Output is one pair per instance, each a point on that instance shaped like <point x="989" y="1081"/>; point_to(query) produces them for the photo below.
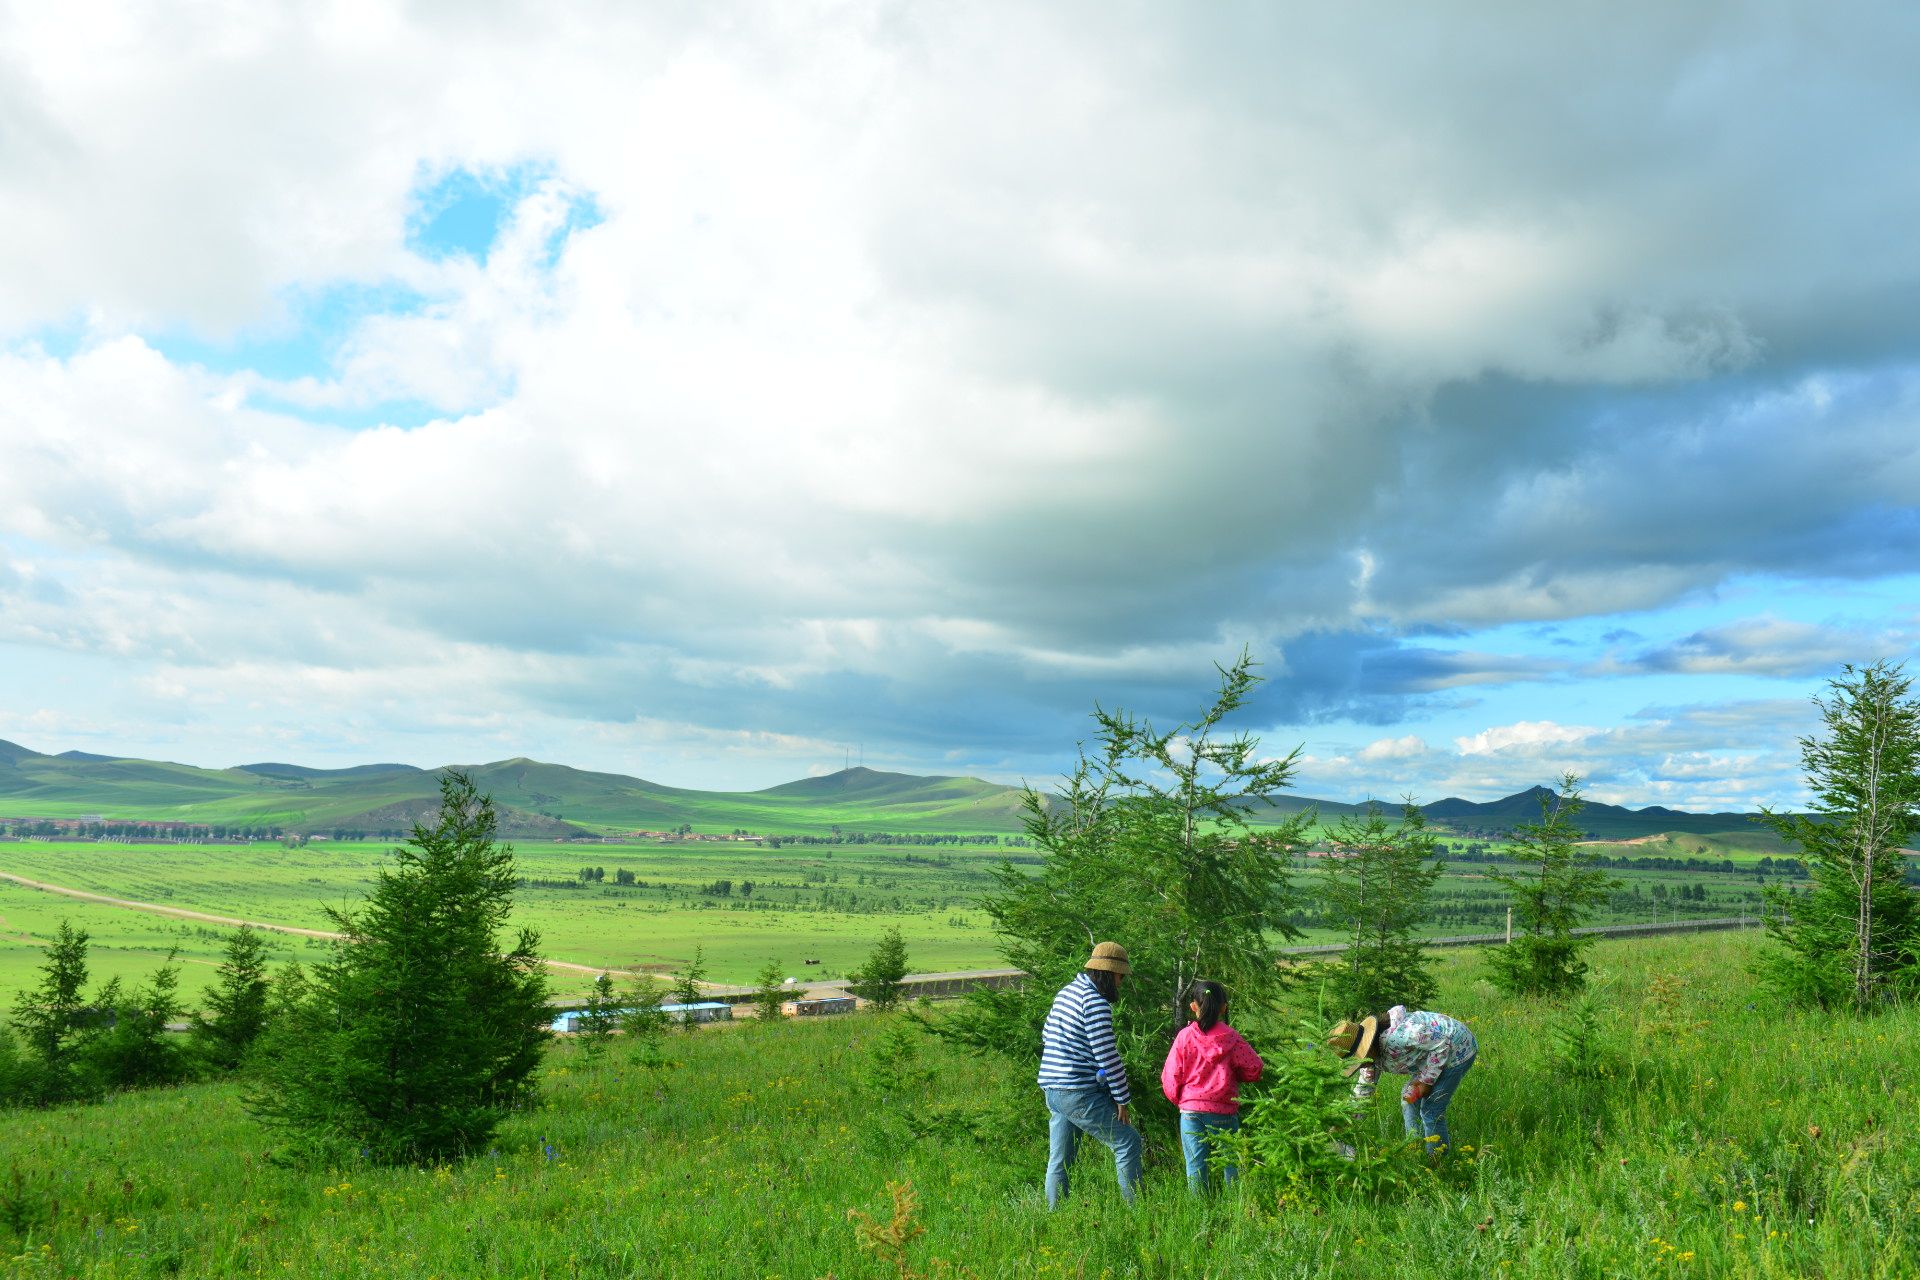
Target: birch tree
<point x="1851" y="938"/>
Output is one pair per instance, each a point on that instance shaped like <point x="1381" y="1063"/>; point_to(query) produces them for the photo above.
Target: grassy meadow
<point x="809" y="902"/>
<point x="1732" y="1139"/>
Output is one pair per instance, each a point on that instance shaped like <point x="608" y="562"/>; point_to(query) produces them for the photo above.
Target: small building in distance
<point x="569" y="1021"/>
<point x="704" y="1011"/>
<point x="820" y="1007"/>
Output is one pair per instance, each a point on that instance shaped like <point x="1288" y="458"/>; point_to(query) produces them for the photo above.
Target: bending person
<point x="1082" y="1077"/>
<point x="1433" y="1049"/>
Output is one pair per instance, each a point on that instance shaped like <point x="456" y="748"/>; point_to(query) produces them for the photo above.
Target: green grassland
<point x="821" y="902"/>
<point x="534" y="798"/>
<point x="824" y="903"/>
<point x="1735" y="1139"/>
<point x="549" y="800"/>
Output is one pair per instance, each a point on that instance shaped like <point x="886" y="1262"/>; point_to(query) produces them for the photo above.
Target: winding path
<point x="182" y="913"/>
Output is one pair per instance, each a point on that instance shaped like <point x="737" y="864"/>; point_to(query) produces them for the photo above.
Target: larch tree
<point x="1853" y="937"/>
<point x="1166" y="841"/>
<point x="1555" y="889"/>
<point x="420" y="1031"/>
<point x="1374" y="886"/>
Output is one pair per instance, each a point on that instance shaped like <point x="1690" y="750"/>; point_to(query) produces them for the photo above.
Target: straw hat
<point x="1354" y="1040"/>
<point x="1110" y="956"/>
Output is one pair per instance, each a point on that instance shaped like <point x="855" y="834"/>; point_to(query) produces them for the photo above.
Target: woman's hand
<point x="1126" y="1116"/>
<point x="1416" y="1091"/>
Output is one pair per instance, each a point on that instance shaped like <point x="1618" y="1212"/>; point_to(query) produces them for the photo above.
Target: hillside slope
<point x="540" y="798"/>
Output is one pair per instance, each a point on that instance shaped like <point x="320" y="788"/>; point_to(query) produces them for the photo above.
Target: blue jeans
<point x="1427" y="1118"/>
<point x="1072" y="1112"/>
<point x="1196" y="1128"/>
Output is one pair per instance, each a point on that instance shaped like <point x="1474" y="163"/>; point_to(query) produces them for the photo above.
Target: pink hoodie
<point x="1205" y="1069"/>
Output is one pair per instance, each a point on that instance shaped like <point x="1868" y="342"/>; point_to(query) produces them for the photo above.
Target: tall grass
<point x="1703" y="1134"/>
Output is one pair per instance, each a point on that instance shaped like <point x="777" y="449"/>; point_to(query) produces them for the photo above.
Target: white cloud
<point x="1408" y="747"/>
<point x="1527" y="737"/>
<point x="1036" y="346"/>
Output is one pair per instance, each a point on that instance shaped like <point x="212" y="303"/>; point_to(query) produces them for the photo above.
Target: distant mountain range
<point x="551" y="800"/>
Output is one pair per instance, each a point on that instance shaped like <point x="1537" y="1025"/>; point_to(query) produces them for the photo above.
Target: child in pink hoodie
<point x="1204" y="1071"/>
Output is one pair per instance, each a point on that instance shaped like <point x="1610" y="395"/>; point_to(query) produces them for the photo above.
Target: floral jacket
<point x="1421" y="1045"/>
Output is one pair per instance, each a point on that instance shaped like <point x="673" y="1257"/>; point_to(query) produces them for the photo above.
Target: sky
<point x="721" y="393"/>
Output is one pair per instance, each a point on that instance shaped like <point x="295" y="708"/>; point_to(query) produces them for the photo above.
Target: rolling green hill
<point x="552" y="800"/>
<point x="1603" y="820"/>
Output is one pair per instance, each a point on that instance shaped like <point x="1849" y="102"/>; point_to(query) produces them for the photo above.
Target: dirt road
<point x="182" y="913"/>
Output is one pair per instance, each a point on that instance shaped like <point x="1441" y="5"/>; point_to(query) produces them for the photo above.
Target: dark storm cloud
<point x="931" y="377"/>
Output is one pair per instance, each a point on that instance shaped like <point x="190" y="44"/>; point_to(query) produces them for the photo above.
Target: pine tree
<point x="1851" y="939"/>
<point x="417" y="1034"/>
<point x="1375" y="888"/>
<point x="1150" y="843"/>
<point x="878" y="980"/>
<point x="599" y="1017"/>
<point x="52" y="1018"/>
<point x="137" y="1051"/>
<point x="237" y="1003"/>
<point x="769" y="993"/>
<point x="687" y="984"/>
<point x="645" y="1027"/>
<point x="1552" y="897"/>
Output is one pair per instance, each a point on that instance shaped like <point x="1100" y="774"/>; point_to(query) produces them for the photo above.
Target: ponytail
<point x="1212" y="999"/>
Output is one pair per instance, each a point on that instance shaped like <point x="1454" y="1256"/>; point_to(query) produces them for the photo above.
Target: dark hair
<point x="1106" y="982"/>
<point x="1212" y="999"/>
<point x="1385" y="1020"/>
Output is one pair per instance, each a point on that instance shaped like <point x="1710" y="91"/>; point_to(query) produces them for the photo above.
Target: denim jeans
<point x="1072" y="1112"/>
<point x="1427" y="1118"/>
<point x="1196" y="1128"/>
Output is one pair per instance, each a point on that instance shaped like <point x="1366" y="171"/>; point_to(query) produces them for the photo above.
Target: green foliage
<point x="769" y="993"/>
<point x="1299" y="1139"/>
<point x="17" y="1076"/>
<point x="1853" y="939"/>
<point x="136" y="1051"/>
<point x="1149" y="845"/>
<point x="417" y="1035"/>
<point x="878" y="980"/>
<point x="1553" y="896"/>
<point x="645" y="1027"/>
<point x="686" y="985"/>
<point x="1721" y="1161"/>
<point x="52" y="1019"/>
<point x="1582" y="1039"/>
<point x="600" y="1017"/>
<point x="1375" y="889"/>
<point x="893" y="1068"/>
<point x="236" y="1007"/>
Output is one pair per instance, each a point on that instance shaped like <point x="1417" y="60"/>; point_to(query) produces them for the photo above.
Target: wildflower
<point x="1739" y="1206"/>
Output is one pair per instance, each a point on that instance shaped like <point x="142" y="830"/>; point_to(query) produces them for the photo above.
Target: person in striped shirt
<point x="1081" y="1075"/>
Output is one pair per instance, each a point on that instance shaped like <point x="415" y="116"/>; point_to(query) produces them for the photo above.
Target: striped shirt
<point x="1076" y="1044"/>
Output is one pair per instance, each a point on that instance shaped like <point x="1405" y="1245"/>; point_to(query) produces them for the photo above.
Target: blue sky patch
<point x="462" y="212"/>
<point x="305" y="341"/>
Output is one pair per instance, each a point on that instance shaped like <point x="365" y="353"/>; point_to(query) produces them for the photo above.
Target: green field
<point x="541" y="800"/>
<point x="534" y="798"/>
<point x="1739" y="1140"/>
<point x="810" y="902"/>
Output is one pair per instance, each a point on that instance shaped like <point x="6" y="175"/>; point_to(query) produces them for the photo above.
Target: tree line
<point x="1148" y="844"/>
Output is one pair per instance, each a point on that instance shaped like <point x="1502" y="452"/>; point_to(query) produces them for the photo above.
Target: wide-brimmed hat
<point x="1110" y="956"/>
<point x="1354" y="1040"/>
